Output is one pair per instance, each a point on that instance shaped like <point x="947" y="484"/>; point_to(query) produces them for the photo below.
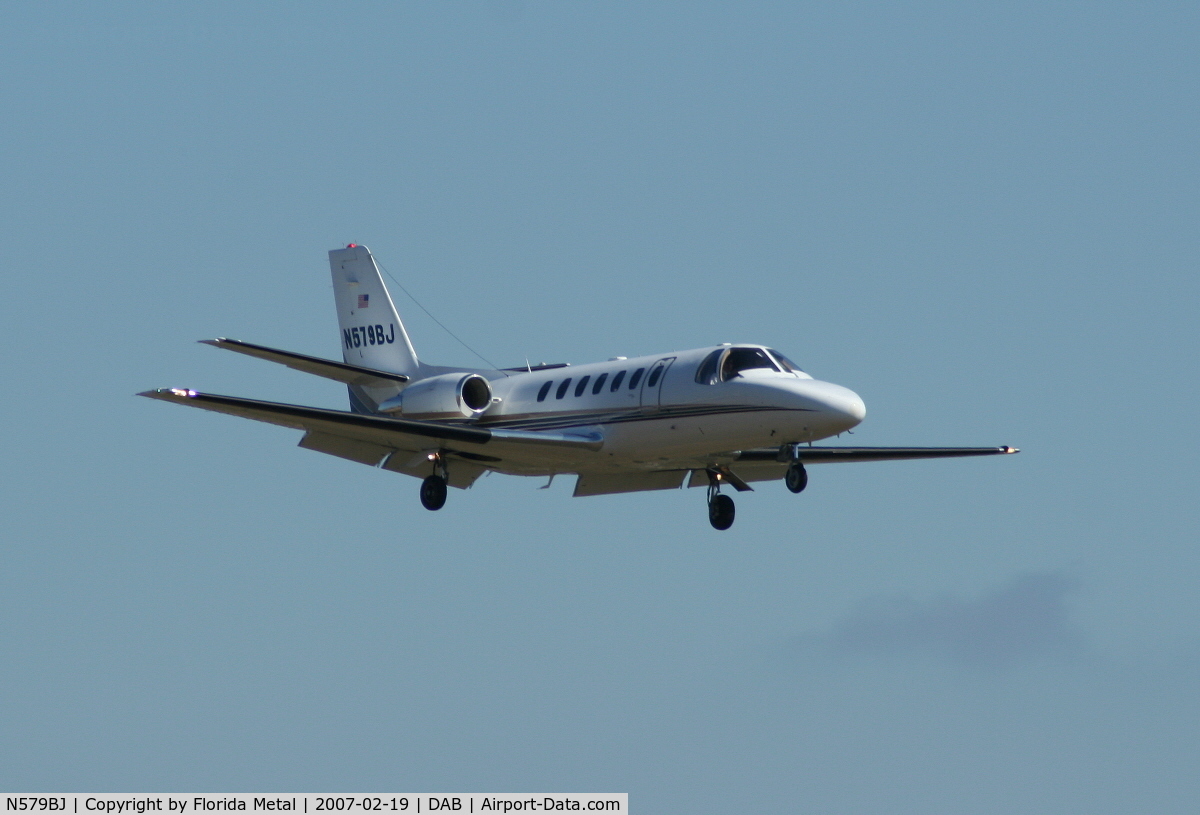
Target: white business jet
<point x="709" y="417"/>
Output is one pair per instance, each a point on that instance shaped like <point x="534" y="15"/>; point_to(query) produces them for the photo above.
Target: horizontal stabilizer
<point x="337" y="371"/>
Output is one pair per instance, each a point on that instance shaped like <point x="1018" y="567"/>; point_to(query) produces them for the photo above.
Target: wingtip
<point x="217" y="341"/>
<point x="167" y="393"/>
<point x="1009" y="450"/>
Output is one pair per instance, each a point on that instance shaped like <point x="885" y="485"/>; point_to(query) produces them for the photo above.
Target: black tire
<point x="720" y="512"/>
<point x="433" y="492"/>
<point x="796" y="478"/>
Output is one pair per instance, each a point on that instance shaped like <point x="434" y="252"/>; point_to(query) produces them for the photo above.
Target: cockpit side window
<point x="706" y="374"/>
<point x="745" y="359"/>
<point x="785" y="363"/>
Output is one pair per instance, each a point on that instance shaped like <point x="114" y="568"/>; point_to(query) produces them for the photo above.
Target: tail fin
<point x="372" y="334"/>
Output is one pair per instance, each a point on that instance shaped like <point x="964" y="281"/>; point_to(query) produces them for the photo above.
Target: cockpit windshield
<point x="785" y="363"/>
<point x="745" y="359"/>
<point x="726" y="363"/>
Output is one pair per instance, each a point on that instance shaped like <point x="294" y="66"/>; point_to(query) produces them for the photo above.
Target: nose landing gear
<point x="796" y="477"/>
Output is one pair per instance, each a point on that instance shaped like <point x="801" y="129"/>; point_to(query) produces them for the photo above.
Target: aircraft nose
<point x="841" y="406"/>
<point x="853" y="407"/>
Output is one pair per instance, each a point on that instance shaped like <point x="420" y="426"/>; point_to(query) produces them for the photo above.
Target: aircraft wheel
<point x="796" y="477"/>
<point x="720" y="512"/>
<point x="433" y="492"/>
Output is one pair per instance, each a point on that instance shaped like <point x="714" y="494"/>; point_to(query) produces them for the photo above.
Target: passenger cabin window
<point x="545" y="390"/>
<point x="562" y="389"/>
<point x="636" y="378"/>
<point x="582" y="386"/>
<point x="654" y="375"/>
<point x="617" y="381"/>
<point x="745" y="359"/>
<point x="599" y="386"/>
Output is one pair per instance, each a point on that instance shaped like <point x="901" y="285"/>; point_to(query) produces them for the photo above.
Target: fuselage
<point x="677" y="406"/>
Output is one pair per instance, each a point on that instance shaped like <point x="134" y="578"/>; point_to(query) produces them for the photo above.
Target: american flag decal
<point x="362" y="300"/>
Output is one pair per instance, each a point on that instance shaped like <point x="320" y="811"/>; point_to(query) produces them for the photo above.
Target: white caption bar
<point x="293" y="802"/>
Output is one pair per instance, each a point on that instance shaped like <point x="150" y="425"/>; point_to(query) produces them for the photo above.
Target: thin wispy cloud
<point x="1026" y="619"/>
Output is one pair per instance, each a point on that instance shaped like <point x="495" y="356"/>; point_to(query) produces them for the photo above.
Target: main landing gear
<point x="720" y="507"/>
<point x="433" y="488"/>
<point x="433" y="492"/>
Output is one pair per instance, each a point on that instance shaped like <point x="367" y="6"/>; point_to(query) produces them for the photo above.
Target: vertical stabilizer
<point x="371" y="332"/>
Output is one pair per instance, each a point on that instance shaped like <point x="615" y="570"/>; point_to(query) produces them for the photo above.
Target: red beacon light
<point x="352" y="246"/>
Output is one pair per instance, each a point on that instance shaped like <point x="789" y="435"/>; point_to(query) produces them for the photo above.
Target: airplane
<point x="728" y="414"/>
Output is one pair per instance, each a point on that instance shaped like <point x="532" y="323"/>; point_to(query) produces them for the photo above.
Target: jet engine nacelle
<point x="449" y="396"/>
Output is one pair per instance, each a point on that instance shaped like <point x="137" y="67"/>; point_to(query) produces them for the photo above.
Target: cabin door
<point x="652" y="384"/>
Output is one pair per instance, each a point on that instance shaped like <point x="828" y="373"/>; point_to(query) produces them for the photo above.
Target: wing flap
<point x="461" y="473"/>
<point x="702" y="478"/>
<point x="364" y="452"/>
<point x="609" y="483"/>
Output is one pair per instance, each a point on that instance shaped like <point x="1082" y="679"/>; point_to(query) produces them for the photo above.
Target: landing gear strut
<point x="796" y="477"/>
<point x="720" y="507"/>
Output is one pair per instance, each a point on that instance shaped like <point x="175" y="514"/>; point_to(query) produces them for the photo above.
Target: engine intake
<point x="449" y="396"/>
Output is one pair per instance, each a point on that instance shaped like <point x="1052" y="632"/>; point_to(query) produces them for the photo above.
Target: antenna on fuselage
<point x="429" y="313"/>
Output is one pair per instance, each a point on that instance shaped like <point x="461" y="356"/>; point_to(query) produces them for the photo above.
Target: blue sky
<point x="982" y="219"/>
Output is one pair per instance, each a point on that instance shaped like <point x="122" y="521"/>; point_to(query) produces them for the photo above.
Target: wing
<point x="400" y="444"/>
<point x="821" y="455"/>
<point x="337" y="371"/>
<point x="766" y="464"/>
